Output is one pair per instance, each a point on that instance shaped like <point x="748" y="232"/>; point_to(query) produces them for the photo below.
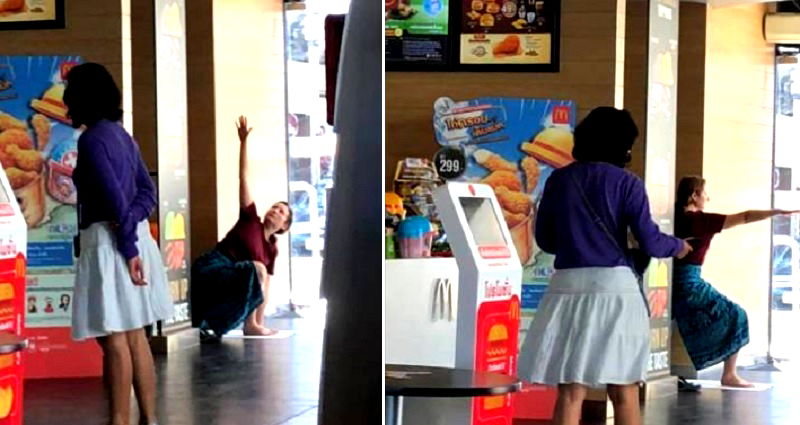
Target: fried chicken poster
<point x="512" y="145"/>
<point x="512" y="32"/>
<point x="38" y="151"/>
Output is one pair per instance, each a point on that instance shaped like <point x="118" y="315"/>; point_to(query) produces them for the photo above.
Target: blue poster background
<point x="512" y="135"/>
<point x="38" y="148"/>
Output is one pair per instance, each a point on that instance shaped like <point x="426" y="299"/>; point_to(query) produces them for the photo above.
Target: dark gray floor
<point x="254" y="381"/>
<point x="778" y="406"/>
<point x="276" y="382"/>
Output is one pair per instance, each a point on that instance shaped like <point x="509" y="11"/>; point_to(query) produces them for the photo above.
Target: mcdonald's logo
<point x="561" y="115"/>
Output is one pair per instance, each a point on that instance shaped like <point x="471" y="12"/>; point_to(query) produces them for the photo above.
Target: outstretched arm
<point x="245" y="199"/>
<point x="751" y="216"/>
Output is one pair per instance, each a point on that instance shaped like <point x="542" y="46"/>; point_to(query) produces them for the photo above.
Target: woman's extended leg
<point x="729" y="376"/>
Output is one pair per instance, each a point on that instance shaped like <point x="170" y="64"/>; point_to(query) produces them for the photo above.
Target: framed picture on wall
<point x="31" y="14"/>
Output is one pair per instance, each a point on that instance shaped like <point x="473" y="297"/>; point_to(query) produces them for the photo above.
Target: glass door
<point x="311" y="141"/>
<point x="785" y="288"/>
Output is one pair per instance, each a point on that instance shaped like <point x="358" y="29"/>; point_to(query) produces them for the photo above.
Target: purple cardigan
<point x="113" y="183"/>
<point x="565" y="227"/>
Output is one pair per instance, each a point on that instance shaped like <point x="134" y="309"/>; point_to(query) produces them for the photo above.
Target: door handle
<point x="437" y="299"/>
<point x="448" y="289"/>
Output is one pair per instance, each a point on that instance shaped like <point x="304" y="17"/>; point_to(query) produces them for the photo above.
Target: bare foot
<point x="735" y="381"/>
<point x="259" y="331"/>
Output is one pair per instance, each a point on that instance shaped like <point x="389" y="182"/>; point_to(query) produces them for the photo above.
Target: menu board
<point x="417" y="32"/>
<point x="472" y="35"/>
<point x="509" y="32"/>
<point x="31" y="14"/>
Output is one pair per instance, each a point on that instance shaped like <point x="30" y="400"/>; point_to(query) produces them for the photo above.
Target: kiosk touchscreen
<point x="490" y="277"/>
<point x="13" y="243"/>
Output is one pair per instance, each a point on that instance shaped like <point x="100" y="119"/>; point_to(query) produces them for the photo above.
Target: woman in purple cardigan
<point x="120" y="284"/>
<point x="592" y="326"/>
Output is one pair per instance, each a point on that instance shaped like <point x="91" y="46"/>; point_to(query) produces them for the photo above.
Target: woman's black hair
<point x="288" y="219"/>
<point x="605" y="135"/>
<point x="92" y="95"/>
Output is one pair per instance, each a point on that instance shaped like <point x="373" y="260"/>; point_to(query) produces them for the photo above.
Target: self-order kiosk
<point x="13" y="244"/>
<point x="490" y="277"/>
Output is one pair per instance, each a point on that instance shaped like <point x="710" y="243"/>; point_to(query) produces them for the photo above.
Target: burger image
<point x="552" y="146"/>
<point x="498" y="341"/>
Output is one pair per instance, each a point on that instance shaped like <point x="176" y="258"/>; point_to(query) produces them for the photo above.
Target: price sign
<point x="450" y="163"/>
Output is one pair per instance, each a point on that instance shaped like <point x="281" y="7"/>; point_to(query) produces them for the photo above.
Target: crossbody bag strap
<point x="611" y="237"/>
<point x="598" y="220"/>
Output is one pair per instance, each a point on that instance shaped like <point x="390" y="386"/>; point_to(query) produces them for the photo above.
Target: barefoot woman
<point x="230" y="283"/>
<point x="713" y="327"/>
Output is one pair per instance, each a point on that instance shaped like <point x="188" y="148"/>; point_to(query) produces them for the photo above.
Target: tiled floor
<point x="258" y="382"/>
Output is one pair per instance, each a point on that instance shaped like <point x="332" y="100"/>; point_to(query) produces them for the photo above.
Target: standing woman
<point x="713" y="327"/>
<point x="120" y="285"/>
<point x="592" y="327"/>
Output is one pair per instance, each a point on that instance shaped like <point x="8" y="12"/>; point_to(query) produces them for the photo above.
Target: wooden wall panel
<point x="691" y="89"/>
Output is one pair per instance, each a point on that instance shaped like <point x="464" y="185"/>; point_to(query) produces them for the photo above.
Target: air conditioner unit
<point x="782" y="28"/>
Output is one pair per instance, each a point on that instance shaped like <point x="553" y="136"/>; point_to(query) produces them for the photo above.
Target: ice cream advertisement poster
<point x="513" y="145"/>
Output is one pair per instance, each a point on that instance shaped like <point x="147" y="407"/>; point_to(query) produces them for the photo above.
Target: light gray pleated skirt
<point x="105" y="299"/>
<point x="591" y="328"/>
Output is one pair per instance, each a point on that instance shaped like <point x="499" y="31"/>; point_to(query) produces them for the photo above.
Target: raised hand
<point x="242" y="129"/>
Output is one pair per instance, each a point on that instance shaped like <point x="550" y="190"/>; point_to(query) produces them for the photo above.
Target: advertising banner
<point x="173" y="183"/>
<point x="512" y="145"/>
<point x="660" y="168"/>
<point x="39" y="150"/>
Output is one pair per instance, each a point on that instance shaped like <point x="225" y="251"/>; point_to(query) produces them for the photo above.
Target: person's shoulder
<point x="628" y="178"/>
<point x="102" y="131"/>
<point x="249" y="212"/>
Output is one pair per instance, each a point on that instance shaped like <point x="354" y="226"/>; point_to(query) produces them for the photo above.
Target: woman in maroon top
<point x="230" y="283"/>
<point x="713" y="327"/>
